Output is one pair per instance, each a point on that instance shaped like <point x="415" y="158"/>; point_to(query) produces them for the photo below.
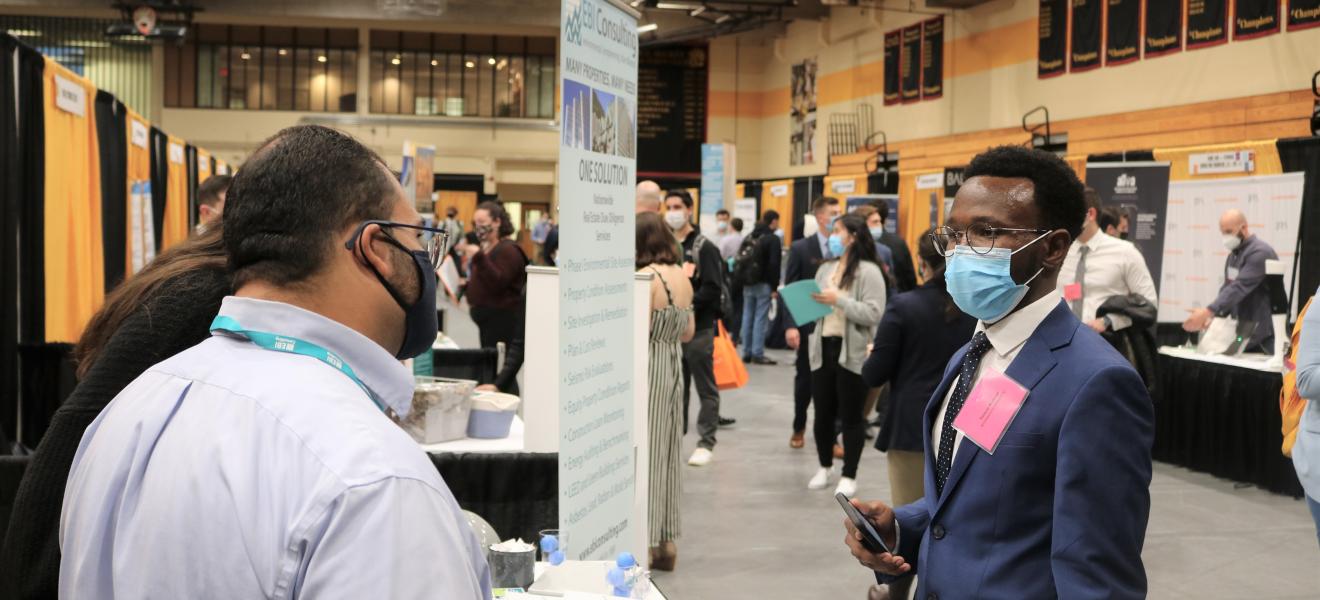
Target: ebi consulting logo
<point x="578" y="16"/>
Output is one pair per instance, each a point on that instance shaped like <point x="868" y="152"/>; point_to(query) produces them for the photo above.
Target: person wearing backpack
<point x="757" y="268"/>
<point x="703" y="266"/>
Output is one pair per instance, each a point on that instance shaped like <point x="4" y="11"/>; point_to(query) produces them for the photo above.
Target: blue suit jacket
<point x="1060" y="509"/>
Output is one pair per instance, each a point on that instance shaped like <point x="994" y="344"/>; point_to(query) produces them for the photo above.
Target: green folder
<point x="797" y="297"/>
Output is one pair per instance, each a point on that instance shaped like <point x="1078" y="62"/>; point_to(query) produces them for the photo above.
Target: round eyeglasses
<point x="980" y="237"/>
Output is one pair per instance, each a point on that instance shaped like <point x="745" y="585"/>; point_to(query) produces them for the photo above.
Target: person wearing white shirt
<point x="732" y="242"/>
<point x="264" y="461"/>
<point x="1099" y="267"/>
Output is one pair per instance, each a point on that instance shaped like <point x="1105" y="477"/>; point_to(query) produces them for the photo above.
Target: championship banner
<point x="1255" y="18"/>
<point x="1087" y="18"/>
<point x="1207" y="23"/>
<point x="932" y="58"/>
<point x="1122" y="32"/>
<point x="1140" y="190"/>
<point x="1303" y="14"/>
<point x="597" y="174"/>
<point x="893" y="52"/>
<point x="1053" y="45"/>
<point x="910" y="72"/>
<point x="1164" y="27"/>
<point x="1194" y="254"/>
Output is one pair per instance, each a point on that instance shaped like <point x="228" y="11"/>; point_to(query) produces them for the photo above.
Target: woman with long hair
<point x="155" y="314"/>
<point x="920" y="332"/>
<point x="672" y="323"/>
<point x="497" y="279"/>
<point x="854" y="286"/>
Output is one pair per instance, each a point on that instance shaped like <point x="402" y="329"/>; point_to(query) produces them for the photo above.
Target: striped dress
<point x="665" y="383"/>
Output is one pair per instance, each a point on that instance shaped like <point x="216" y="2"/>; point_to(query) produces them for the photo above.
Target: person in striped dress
<point x="672" y="323"/>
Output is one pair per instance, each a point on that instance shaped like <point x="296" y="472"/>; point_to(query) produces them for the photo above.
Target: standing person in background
<point x="1306" y="450"/>
<point x="211" y="201"/>
<point x="672" y="323"/>
<point x="721" y="224"/>
<point x="452" y="225"/>
<point x="1108" y="221"/>
<point x="905" y="275"/>
<point x="855" y="287"/>
<point x="1101" y="267"/>
<point x="885" y="256"/>
<point x="703" y="266"/>
<point x="539" y="232"/>
<point x="1244" y="295"/>
<point x="804" y="257"/>
<point x="757" y="269"/>
<point x="497" y="278"/>
<point x="159" y="312"/>
<point x="550" y="251"/>
<point x="729" y="244"/>
<point x="262" y="462"/>
<point x="920" y="332"/>
<point x="649" y="198"/>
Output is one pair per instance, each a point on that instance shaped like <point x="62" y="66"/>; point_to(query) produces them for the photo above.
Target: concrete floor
<point x="752" y="529"/>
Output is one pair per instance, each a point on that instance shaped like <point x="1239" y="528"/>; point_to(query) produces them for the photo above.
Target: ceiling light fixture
<point x="24" y="33"/>
<point x="321" y="58"/>
<point x="470" y="64"/>
<point x="647" y="27"/>
<point x="676" y="5"/>
<point x="435" y="63"/>
<point x="245" y="56"/>
<point x="723" y="19"/>
<point x="396" y="60"/>
<point x="698" y="10"/>
<point x="284" y="52"/>
<point x="490" y="60"/>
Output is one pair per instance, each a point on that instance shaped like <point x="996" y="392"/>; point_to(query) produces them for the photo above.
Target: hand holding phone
<point x="865" y="540"/>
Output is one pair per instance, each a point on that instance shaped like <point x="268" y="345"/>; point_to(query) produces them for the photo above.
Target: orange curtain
<point x="74" y="271"/>
<point x="842" y="186"/>
<point x="203" y="165"/>
<point x="914" y="206"/>
<point x="175" y="228"/>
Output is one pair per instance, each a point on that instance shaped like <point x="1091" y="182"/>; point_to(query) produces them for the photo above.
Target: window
<point x="418" y="73"/>
<point x="118" y="65"/>
<point x="263" y="68"/>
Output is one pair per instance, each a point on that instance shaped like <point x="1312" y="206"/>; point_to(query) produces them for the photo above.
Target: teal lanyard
<point x="292" y="345"/>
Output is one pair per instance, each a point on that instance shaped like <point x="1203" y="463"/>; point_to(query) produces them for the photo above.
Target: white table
<point x="596" y="590"/>
<point x="513" y="443"/>
<point x="1259" y="362"/>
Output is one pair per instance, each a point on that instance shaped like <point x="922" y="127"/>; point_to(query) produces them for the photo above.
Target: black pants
<point x="839" y="393"/>
<point x="802" y="380"/>
<point x="498" y="325"/>
<point x="699" y="365"/>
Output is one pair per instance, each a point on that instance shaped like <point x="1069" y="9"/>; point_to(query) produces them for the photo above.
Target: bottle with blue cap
<point x="626" y="577"/>
<point x="551" y="550"/>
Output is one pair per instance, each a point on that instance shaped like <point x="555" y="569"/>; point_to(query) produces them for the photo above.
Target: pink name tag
<point x="1072" y="291"/>
<point x="990" y="409"/>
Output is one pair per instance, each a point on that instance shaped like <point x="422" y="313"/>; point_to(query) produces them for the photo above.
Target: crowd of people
<point x="188" y="458"/>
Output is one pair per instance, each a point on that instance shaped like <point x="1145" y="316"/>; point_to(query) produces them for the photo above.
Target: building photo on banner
<point x="802" y="111"/>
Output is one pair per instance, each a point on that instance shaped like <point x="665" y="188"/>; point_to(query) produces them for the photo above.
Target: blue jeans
<point x="756" y="310"/>
<point x="1315" y="514"/>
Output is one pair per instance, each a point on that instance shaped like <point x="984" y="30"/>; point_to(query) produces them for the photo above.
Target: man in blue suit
<point x="1059" y="509"/>
<point x="804" y="257"/>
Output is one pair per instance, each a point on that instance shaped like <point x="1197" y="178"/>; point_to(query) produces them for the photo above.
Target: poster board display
<point x="1193" y="266"/>
<point x="1139" y="190"/>
<point x="595" y="375"/>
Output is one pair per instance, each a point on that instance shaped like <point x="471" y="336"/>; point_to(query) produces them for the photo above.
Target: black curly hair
<point x="1057" y="191"/>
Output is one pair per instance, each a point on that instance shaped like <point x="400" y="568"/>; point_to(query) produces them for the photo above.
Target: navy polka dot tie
<point x="966" y="373"/>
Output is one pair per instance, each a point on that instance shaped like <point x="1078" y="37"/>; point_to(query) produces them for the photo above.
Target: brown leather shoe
<point x="664" y="557"/>
<point x="838" y="451"/>
<point x="878" y="592"/>
<point x="798" y="440"/>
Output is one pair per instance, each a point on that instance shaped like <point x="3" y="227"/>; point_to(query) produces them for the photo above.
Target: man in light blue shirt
<point x="1306" y="449"/>
<point x="262" y="463"/>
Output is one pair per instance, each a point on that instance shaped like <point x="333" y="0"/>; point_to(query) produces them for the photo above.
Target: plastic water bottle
<point x="627" y="578"/>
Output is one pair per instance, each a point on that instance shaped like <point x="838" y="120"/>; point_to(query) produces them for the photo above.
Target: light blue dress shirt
<point x="229" y="471"/>
<point x="1306" y="450"/>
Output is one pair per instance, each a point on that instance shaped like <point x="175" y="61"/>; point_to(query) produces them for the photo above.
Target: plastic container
<point x="512" y="569"/>
<point x="492" y="416"/>
<point x="440" y="410"/>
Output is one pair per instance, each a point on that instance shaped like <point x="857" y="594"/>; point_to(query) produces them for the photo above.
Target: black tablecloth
<point x="517" y="493"/>
<point x="1222" y="420"/>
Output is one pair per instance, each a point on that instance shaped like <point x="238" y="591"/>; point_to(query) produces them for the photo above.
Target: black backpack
<point x="747" y="267"/>
<point x="725" y="307"/>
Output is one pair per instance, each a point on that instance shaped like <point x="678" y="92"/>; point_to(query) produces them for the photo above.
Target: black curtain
<point x="882" y="182"/>
<point x="31" y="217"/>
<point x="9" y="206"/>
<point x="160" y="162"/>
<point x="190" y="157"/>
<point x="805" y="190"/>
<point x="752" y="189"/>
<point x="1125" y="156"/>
<point x="1303" y="154"/>
<point x="111" y="138"/>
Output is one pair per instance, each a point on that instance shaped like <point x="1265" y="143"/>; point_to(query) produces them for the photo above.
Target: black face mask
<point x="1122" y="235"/>
<point x="420" y="323"/>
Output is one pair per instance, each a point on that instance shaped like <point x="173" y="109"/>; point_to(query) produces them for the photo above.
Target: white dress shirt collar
<point x="1099" y="239"/>
<point x="385" y="376"/>
<point x="1009" y="333"/>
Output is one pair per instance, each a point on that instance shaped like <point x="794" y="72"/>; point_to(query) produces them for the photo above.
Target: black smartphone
<point x="870" y="538"/>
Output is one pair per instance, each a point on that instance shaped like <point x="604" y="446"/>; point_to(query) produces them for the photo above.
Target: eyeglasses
<point x="436" y="245"/>
<point x="980" y="237"/>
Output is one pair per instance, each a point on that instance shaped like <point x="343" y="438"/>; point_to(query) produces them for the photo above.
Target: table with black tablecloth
<point x="516" y="492"/>
<point x="1222" y="418"/>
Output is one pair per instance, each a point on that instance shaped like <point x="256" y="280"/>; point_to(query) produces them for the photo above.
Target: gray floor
<point x="753" y="530"/>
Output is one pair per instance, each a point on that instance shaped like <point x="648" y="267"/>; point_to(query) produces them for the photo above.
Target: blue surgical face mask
<point x="876" y="232"/>
<point x="836" y="245"/>
<point x="982" y="284"/>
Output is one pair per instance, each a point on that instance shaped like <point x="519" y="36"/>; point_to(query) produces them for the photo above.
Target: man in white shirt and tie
<point x="263" y="462"/>
<point x="1099" y="267"/>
